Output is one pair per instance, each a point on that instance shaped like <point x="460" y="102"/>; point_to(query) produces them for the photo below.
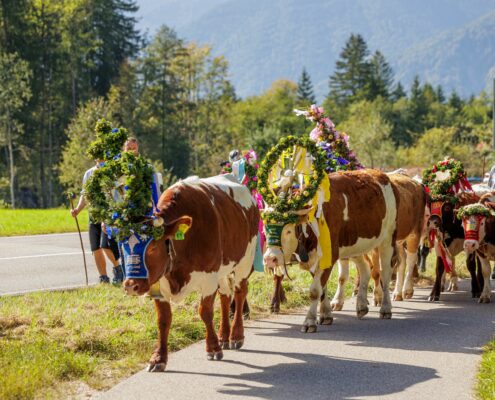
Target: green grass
<point x="485" y="381"/>
<point x="50" y="341"/>
<point x="34" y="222"/>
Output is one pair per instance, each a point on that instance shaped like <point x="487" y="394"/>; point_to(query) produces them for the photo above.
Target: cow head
<point x="474" y="232"/>
<point x="158" y="257"/>
<point x="441" y="216"/>
<point x="283" y="240"/>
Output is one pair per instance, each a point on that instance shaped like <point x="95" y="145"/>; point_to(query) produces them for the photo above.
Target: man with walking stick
<point x="101" y="244"/>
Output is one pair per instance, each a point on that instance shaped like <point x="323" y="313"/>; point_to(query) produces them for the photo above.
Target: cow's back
<point x="361" y="212"/>
<point x="411" y="202"/>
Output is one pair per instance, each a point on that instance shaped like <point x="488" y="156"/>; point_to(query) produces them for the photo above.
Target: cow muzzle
<point x="273" y="258"/>
<point x="136" y="287"/>
<point x="434" y="222"/>
<point x="470" y="246"/>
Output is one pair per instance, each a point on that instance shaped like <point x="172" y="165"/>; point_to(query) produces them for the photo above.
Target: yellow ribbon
<point x="324" y="239"/>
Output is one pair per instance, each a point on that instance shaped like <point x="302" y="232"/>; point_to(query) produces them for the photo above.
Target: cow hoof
<point x="361" y="313"/>
<point x="408" y="295"/>
<point x="224" y="344"/>
<point x="337" y="306"/>
<point x="434" y="298"/>
<point x="386" y="315"/>
<point x="275" y="310"/>
<point x="484" y="300"/>
<point x="326" y="321"/>
<point x="216" y="355"/>
<point x="159" y="367"/>
<point x="398" y="297"/>
<point x="236" y="344"/>
<point x="311" y="329"/>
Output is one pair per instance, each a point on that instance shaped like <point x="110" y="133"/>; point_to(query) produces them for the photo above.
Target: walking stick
<point x="70" y="195"/>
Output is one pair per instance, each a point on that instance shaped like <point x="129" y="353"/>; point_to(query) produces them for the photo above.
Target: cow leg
<point x="355" y="290"/>
<point x="486" y="270"/>
<point x="475" y="286"/>
<point x="362" y="297"/>
<point x="375" y="274"/>
<point x="158" y="360"/>
<point x="435" y="291"/>
<point x="225" y="304"/>
<point x="326" y="316"/>
<point x="339" y="297"/>
<point x="455" y="248"/>
<point x="237" y="331"/>
<point x="386" y="254"/>
<point x="315" y="292"/>
<point x="408" y="288"/>
<point x="277" y="283"/>
<point x="213" y="350"/>
<point x="401" y="269"/>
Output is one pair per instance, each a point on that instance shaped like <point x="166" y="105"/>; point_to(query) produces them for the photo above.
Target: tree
<point x="455" y="101"/>
<point x="417" y="107"/>
<point x="398" y="92"/>
<point x="381" y="77"/>
<point x="80" y="133"/>
<point x="305" y="94"/>
<point x="113" y="29"/>
<point x="369" y="134"/>
<point x="14" y="92"/>
<point x="439" y="93"/>
<point x="352" y="72"/>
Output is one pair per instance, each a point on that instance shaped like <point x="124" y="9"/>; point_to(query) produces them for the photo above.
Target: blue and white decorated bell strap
<point x="239" y="169"/>
<point x="134" y="254"/>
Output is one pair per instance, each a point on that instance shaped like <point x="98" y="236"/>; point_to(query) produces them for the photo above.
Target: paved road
<point x="426" y="351"/>
<point x="39" y="262"/>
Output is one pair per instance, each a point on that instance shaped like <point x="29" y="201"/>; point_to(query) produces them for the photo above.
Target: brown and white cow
<point x="411" y="203"/>
<point x="479" y="233"/>
<point x="361" y="216"/>
<point x="220" y="243"/>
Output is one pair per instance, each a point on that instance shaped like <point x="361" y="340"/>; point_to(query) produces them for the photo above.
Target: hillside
<point x="267" y="40"/>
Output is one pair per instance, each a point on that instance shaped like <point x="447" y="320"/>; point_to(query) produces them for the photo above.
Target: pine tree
<point x="455" y="101"/>
<point x="381" y="77"/>
<point x="352" y="72"/>
<point x="305" y="94"/>
<point x="398" y="92"/>
<point x="417" y="107"/>
<point x="439" y="94"/>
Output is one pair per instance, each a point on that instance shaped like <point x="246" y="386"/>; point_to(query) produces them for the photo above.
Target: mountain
<point x="443" y="41"/>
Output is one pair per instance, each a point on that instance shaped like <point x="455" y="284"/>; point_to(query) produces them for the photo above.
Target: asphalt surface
<point x="427" y="350"/>
<point x="41" y="262"/>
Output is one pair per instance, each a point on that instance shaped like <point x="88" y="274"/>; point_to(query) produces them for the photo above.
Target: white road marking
<point x="44" y="255"/>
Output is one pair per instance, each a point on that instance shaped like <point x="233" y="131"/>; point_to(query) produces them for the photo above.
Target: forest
<point x="64" y="64"/>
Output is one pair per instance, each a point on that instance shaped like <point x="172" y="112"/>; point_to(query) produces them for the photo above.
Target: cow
<point x="479" y="232"/>
<point x="361" y="216"/>
<point x="447" y="235"/>
<point x="221" y="223"/>
<point x="411" y="204"/>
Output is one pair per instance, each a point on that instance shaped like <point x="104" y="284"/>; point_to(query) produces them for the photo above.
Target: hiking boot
<point x="104" y="279"/>
<point x="118" y="275"/>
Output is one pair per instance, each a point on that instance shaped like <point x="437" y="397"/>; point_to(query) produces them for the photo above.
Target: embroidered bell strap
<point x="324" y="238"/>
<point x="274" y="234"/>
<point x="436" y="208"/>
<point x="471" y="228"/>
<point x="134" y="254"/>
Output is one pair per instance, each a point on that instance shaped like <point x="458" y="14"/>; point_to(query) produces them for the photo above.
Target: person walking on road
<point x="101" y="244"/>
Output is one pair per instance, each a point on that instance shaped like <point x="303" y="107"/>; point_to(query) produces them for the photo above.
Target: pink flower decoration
<point x="315" y="135"/>
<point x="327" y="122"/>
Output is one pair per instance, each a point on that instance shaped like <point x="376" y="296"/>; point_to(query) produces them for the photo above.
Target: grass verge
<point x="54" y="342"/>
<point x="34" y="222"/>
<point x="485" y="386"/>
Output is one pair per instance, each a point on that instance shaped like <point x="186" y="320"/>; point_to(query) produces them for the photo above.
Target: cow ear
<point x="178" y="228"/>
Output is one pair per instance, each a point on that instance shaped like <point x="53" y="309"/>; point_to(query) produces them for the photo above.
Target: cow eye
<point x="289" y="232"/>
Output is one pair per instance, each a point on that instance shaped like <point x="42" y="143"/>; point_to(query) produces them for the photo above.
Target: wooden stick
<point x="80" y="239"/>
